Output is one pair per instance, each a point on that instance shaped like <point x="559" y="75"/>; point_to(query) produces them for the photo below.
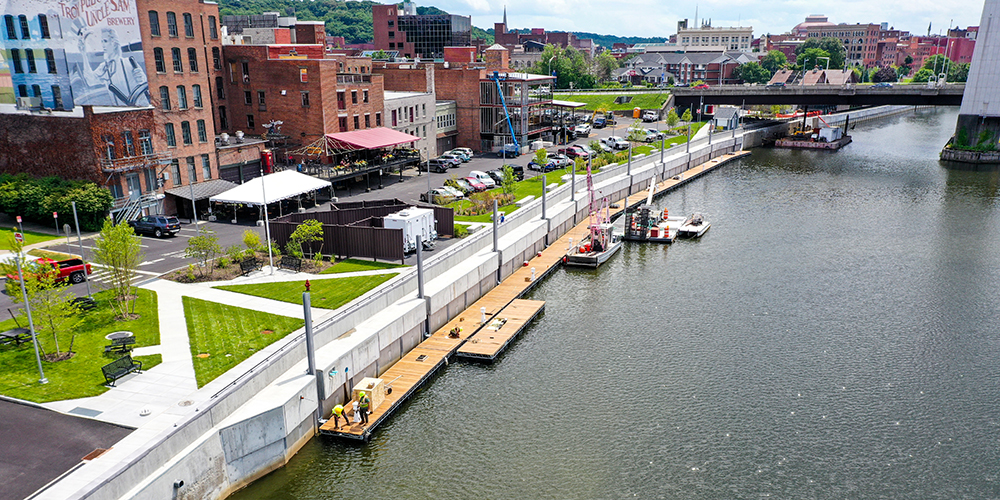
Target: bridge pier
<point x="979" y="117"/>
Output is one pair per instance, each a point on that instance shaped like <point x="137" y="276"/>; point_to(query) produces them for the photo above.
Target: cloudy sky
<point x="657" y="18"/>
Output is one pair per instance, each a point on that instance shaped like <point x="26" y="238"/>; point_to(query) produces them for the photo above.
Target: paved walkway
<point x="163" y="393"/>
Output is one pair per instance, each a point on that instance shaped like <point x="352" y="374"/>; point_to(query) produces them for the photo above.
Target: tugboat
<point x="602" y="242"/>
<point x="694" y="226"/>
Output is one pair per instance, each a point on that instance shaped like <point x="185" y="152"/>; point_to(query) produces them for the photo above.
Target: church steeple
<point x="505" y="18"/>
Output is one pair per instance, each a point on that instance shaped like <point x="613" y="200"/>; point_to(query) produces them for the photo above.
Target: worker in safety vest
<point x="338" y="411"/>
<point x="363" y="403"/>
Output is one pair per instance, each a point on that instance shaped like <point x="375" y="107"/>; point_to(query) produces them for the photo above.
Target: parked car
<point x="467" y="151"/>
<point x="457" y="193"/>
<point x="553" y="162"/>
<point x="776" y="85"/>
<point x="882" y="85"/>
<point x="682" y="85"/>
<point x="575" y="151"/>
<point x="156" y="225"/>
<point x="604" y="147"/>
<point x="455" y="159"/>
<point x="701" y="86"/>
<point x="73" y="269"/>
<point x="616" y="142"/>
<point x="583" y="129"/>
<point x="476" y="185"/>
<point x="497" y="174"/>
<point x="439" y="165"/>
<point x="439" y="196"/>
<point x="650" y="116"/>
<point x="460" y="184"/>
<point x="654" y="135"/>
<point x="600" y="122"/>
<point x="460" y="154"/>
<point x="483" y="178"/>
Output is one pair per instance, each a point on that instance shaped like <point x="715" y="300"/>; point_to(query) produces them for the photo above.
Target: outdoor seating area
<point x="119" y="368"/>
<point x="16" y="336"/>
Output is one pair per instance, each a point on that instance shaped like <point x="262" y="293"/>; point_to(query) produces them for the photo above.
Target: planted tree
<point x="117" y="249"/>
<point x="541" y="158"/>
<point x="884" y="75"/>
<point x="53" y="313"/>
<point x="252" y="241"/>
<point x="307" y="232"/>
<point x="508" y="180"/>
<point x="636" y="132"/>
<point x="203" y="247"/>
<point x="773" y="61"/>
<point x="672" y="118"/>
<point x="687" y="115"/>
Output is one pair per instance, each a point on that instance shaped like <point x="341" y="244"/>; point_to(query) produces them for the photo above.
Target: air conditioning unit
<point x="29" y="102"/>
<point x="225" y="139"/>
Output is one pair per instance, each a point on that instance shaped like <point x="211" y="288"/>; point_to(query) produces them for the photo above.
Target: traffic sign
<point x="18" y="219"/>
<point x="55" y="215"/>
<point x="19" y="237"/>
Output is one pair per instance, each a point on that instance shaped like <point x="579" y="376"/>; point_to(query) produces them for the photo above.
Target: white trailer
<point x="413" y="221"/>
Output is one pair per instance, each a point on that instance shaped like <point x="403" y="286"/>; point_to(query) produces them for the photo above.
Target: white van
<point x="483" y="178"/>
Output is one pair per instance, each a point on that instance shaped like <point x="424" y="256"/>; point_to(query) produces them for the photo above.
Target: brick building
<point x="418" y="36"/>
<point x="126" y="101"/>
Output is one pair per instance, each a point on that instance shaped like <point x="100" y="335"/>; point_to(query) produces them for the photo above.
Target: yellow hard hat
<point x="361" y="394"/>
<point x="338" y="409"/>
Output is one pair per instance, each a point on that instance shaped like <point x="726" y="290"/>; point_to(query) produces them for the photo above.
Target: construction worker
<point x="363" y="403"/>
<point x="338" y="411"/>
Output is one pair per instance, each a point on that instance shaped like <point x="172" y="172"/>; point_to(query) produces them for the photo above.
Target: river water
<point x="833" y="335"/>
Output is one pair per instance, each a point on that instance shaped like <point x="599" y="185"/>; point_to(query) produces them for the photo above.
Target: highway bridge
<point x="852" y="95"/>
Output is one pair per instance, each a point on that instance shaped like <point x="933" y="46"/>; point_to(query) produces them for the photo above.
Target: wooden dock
<point x="420" y="364"/>
<point x="489" y="342"/>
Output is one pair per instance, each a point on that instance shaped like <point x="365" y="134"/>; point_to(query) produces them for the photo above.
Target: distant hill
<point x="602" y="40"/>
<point x="353" y="20"/>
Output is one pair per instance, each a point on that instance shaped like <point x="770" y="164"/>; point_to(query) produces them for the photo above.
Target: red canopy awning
<point x="373" y="138"/>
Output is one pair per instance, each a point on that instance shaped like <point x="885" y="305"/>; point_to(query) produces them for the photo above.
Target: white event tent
<point x="276" y="187"/>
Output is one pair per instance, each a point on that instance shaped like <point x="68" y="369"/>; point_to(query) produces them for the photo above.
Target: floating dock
<point x="416" y="367"/>
<point x="490" y="341"/>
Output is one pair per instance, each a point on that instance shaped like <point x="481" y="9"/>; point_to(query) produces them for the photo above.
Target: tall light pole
<point x="827" y="62"/>
<point x="267" y="221"/>
<point x="31" y="323"/>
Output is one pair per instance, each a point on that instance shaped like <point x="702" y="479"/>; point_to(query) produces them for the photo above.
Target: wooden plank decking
<point x="417" y="366"/>
<point x="488" y="342"/>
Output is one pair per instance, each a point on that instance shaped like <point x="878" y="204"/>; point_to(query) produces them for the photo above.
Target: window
<point x="109" y="146"/>
<point x="43" y="25"/>
<point x="186" y="133"/>
<point x="364" y="96"/>
<point x="152" y="183"/>
<point x="168" y="129"/>
<point x="394" y="122"/>
<point x="22" y="90"/>
<point x="341" y="103"/>
<point x="57" y="97"/>
<point x="182" y="97"/>
<point x="368" y="121"/>
<point x="424" y="110"/>
<point x="175" y="169"/>
<point x="392" y="34"/>
<point x="165" y="98"/>
<point x="25" y="32"/>
<point x="261" y="105"/>
<point x="343" y="123"/>
<point x="305" y="99"/>
<point x="145" y="143"/>
<point x="154" y="23"/>
<point x="161" y="66"/>
<point x="129" y="143"/>
<point x="213" y="31"/>
<point x="188" y="26"/>
<point x="378" y="119"/>
<point x="216" y="58"/>
<point x="356" y="126"/>
<point x="15" y="60"/>
<point x="192" y="175"/>
<point x="196" y="95"/>
<point x="50" y="61"/>
<point x="247" y="98"/>
<point x="202" y="133"/>
<point x="171" y="24"/>
<point x="220" y="90"/>
<point x="232" y="71"/>
<point x="223" y="120"/>
<point x="9" y="21"/>
<point x="193" y="60"/>
<point x="246" y="72"/>
<point x="176" y="54"/>
<point x="250" y="122"/>
<point x="30" y="56"/>
<point x="354" y="97"/>
<point x="206" y="167"/>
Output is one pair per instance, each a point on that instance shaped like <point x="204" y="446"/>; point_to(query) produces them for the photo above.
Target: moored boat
<point x="603" y="240"/>
<point x="694" y="226"/>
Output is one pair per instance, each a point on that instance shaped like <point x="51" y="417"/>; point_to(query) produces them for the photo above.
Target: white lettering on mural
<point x="94" y="12"/>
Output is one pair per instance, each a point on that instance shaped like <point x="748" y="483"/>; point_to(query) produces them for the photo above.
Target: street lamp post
<point x="267" y="221"/>
<point x="31" y="323"/>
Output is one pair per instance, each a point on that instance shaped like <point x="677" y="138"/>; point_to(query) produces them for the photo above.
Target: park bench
<point x="291" y="263"/>
<point x="119" y="368"/>
<point x="249" y="264"/>
<point x="121" y="345"/>
<point x="84" y="303"/>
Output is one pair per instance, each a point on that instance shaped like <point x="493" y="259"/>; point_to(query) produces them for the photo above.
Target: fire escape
<point x="130" y="207"/>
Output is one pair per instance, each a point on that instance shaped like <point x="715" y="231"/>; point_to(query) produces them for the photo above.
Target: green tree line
<point x="36" y="199"/>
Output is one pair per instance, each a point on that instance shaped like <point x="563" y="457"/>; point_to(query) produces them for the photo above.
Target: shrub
<point x="461" y="230"/>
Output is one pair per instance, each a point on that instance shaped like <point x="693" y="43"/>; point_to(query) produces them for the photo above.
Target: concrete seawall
<point x="264" y="410"/>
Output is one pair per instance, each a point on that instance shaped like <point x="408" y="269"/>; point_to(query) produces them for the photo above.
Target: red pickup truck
<point x="69" y="268"/>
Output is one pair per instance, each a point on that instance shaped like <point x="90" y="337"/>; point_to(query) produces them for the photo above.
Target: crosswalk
<point x="102" y="274"/>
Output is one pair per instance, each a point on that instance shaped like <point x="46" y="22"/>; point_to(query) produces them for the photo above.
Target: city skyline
<point x="661" y="21"/>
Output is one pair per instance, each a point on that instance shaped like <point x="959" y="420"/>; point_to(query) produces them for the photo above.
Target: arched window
<point x="193" y="59"/>
<point x="154" y="23"/>
<point x="43" y="25"/>
<point x="165" y="98"/>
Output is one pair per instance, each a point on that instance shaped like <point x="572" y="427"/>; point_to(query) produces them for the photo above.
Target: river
<point x="833" y="335"/>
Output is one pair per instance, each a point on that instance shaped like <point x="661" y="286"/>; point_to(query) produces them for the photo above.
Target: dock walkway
<point x="422" y="362"/>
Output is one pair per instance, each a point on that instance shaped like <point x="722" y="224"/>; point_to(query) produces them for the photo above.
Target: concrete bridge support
<point x="979" y="118"/>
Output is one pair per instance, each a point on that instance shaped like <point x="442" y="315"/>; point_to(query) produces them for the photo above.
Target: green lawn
<point x="229" y="334"/>
<point x="652" y="100"/>
<point x="30" y="237"/>
<point x="81" y="375"/>
<point x="326" y="293"/>
<point x="355" y="265"/>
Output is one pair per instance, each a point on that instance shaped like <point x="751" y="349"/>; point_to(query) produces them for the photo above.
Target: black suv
<point x="157" y="225"/>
